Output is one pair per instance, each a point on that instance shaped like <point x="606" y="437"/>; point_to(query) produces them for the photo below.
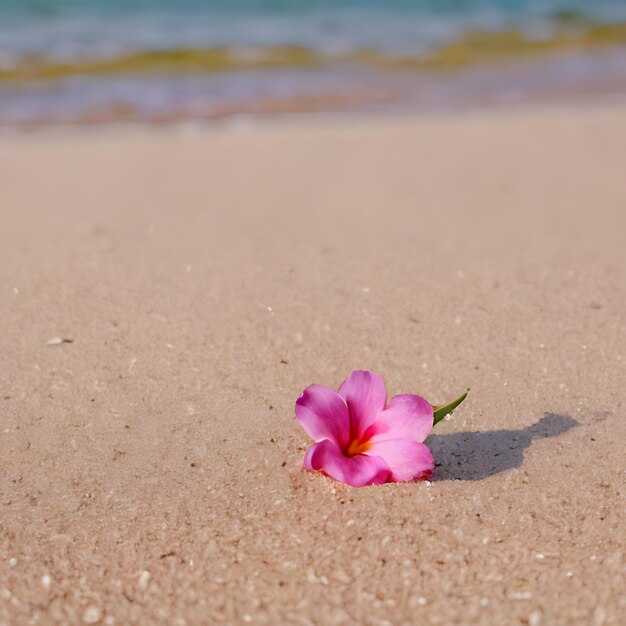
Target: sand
<point x="150" y="463"/>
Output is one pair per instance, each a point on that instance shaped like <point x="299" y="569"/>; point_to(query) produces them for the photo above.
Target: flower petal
<point x="407" y="417"/>
<point x="356" y="471"/>
<point x="323" y="413"/>
<point x="365" y="395"/>
<point x="408" y="460"/>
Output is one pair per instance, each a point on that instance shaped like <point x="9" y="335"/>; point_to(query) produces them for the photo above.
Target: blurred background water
<point x="90" y="60"/>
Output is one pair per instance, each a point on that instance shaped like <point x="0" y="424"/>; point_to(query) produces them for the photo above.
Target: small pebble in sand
<point x="521" y="595"/>
<point x="540" y="556"/>
<point x="46" y="581"/>
<point x="92" y="615"/>
<point x="55" y="341"/>
<point x="144" y="579"/>
<point x="534" y="619"/>
<point x="422" y="601"/>
<point x="12" y="561"/>
<point x="247" y="618"/>
<point x="484" y="601"/>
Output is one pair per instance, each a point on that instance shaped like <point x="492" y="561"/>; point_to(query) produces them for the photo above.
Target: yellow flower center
<point x="358" y="447"/>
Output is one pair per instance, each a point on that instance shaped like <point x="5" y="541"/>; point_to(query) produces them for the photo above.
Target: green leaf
<point x="442" y="411"/>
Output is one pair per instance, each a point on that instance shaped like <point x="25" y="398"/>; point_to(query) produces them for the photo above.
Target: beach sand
<point x="194" y="280"/>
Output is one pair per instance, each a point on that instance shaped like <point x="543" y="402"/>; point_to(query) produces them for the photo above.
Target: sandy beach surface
<point x="166" y="294"/>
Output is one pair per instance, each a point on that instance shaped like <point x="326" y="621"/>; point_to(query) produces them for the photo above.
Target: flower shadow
<point x="478" y="455"/>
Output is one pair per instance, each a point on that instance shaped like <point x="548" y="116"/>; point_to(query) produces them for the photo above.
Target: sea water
<point x="94" y="59"/>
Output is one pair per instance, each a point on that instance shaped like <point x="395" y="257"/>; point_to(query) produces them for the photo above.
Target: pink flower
<point x="360" y="439"/>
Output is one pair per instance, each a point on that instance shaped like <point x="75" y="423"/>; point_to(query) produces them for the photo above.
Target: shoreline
<point x="471" y="48"/>
<point x="245" y="122"/>
<point x="564" y="78"/>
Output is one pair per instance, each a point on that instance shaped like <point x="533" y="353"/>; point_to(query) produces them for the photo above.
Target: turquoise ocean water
<point x="66" y="29"/>
<point x="74" y="31"/>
